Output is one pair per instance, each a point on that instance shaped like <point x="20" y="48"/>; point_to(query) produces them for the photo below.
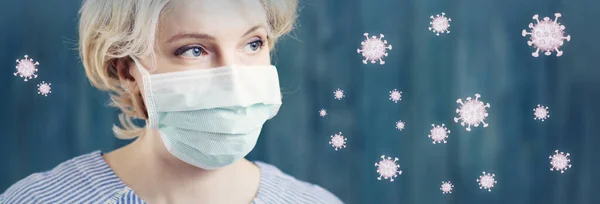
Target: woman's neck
<point x="156" y="176"/>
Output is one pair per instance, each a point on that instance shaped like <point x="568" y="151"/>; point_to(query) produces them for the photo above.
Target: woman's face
<point x="202" y="34"/>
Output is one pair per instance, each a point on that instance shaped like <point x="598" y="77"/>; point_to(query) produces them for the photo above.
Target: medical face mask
<point x="211" y="118"/>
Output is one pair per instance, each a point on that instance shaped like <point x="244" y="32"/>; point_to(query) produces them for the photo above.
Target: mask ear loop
<point x="147" y="94"/>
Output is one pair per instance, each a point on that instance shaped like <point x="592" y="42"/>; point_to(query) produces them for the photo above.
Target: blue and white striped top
<point x="89" y="179"/>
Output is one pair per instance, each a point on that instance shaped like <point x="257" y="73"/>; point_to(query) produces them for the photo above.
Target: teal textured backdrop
<point x="484" y="53"/>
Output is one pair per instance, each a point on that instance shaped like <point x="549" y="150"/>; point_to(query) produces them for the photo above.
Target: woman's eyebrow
<point x="206" y="36"/>
<point x="191" y="35"/>
<point x="256" y="27"/>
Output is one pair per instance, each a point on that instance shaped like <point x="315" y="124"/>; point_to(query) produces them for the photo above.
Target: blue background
<point x="484" y="53"/>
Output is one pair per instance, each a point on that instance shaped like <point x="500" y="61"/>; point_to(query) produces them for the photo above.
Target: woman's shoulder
<point x="85" y="177"/>
<point x="278" y="187"/>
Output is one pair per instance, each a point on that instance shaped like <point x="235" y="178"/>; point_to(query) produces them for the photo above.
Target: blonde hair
<point x="116" y="29"/>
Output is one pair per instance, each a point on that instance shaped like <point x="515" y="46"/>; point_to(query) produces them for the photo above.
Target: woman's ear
<point x="121" y="67"/>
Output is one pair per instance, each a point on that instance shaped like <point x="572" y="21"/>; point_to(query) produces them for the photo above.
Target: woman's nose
<point x="225" y="58"/>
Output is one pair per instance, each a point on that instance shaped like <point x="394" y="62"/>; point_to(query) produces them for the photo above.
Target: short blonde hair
<point x="116" y="29"/>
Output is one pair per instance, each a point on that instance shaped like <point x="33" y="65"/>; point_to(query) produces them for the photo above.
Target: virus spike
<point x="374" y="49"/>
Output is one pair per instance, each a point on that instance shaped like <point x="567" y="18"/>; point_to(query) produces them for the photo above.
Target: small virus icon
<point x="387" y="168"/>
<point x="44" y="88"/>
<point x="541" y="113"/>
<point x="546" y="35"/>
<point x="400" y="125"/>
<point x="438" y="133"/>
<point x="338" y="141"/>
<point x="560" y="161"/>
<point x="26" y="68"/>
<point x="439" y="24"/>
<point x="446" y="187"/>
<point x="395" y="95"/>
<point x="472" y="112"/>
<point x="338" y="94"/>
<point x="322" y="112"/>
<point x="487" y="181"/>
<point x="374" y="49"/>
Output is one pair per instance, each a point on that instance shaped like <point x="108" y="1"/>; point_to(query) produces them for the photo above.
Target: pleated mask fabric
<point x="211" y="118"/>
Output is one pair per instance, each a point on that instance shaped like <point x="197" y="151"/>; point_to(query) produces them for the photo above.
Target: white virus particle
<point x="338" y="94"/>
<point x="26" y="68"/>
<point x="487" y="181"/>
<point x="374" y="49"/>
<point x="387" y="168"/>
<point x="400" y="125"/>
<point x="438" y="133"/>
<point x="446" y="187"/>
<point x="439" y="24"/>
<point x="541" y="113"/>
<point x="44" y="88"/>
<point x="560" y="161"/>
<point x="322" y="112"/>
<point x="338" y="141"/>
<point x="546" y="35"/>
<point x="472" y="112"/>
<point x="395" y="95"/>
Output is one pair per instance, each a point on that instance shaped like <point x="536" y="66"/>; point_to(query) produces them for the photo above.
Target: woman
<point x="199" y="73"/>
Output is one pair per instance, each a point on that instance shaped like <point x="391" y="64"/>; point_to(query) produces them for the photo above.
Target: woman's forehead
<point x="212" y="17"/>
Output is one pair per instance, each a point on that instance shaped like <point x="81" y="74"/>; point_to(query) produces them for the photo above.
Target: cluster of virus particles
<point x="546" y="36"/>
<point x="27" y="69"/>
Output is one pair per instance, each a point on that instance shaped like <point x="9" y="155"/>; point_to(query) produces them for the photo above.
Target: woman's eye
<point x="254" y="46"/>
<point x="193" y="52"/>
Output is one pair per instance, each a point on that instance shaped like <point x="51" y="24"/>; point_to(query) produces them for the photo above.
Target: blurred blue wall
<point x="484" y="53"/>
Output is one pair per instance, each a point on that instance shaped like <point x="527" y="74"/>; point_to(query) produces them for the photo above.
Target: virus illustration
<point x="338" y="94"/>
<point x="487" y="181"/>
<point x="26" y="68"/>
<point x="440" y="24"/>
<point x="541" y="113"/>
<point x="546" y="35"/>
<point x="44" y="88"/>
<point x="472" y="112"/>
<point x="338" y="141"/>
<point x="322" y="112"/>
<point x="446" y="187"/>
<point x="438" y="133"/>
<point x="400" y="125"/>
<point x="387" y="168"/>
<point x="560" y="161"/>
<point x="395" y="95"/>
<point x="374" y="49"/>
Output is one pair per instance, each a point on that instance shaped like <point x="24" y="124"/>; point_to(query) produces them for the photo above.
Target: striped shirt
<point x="89" y="179"/>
